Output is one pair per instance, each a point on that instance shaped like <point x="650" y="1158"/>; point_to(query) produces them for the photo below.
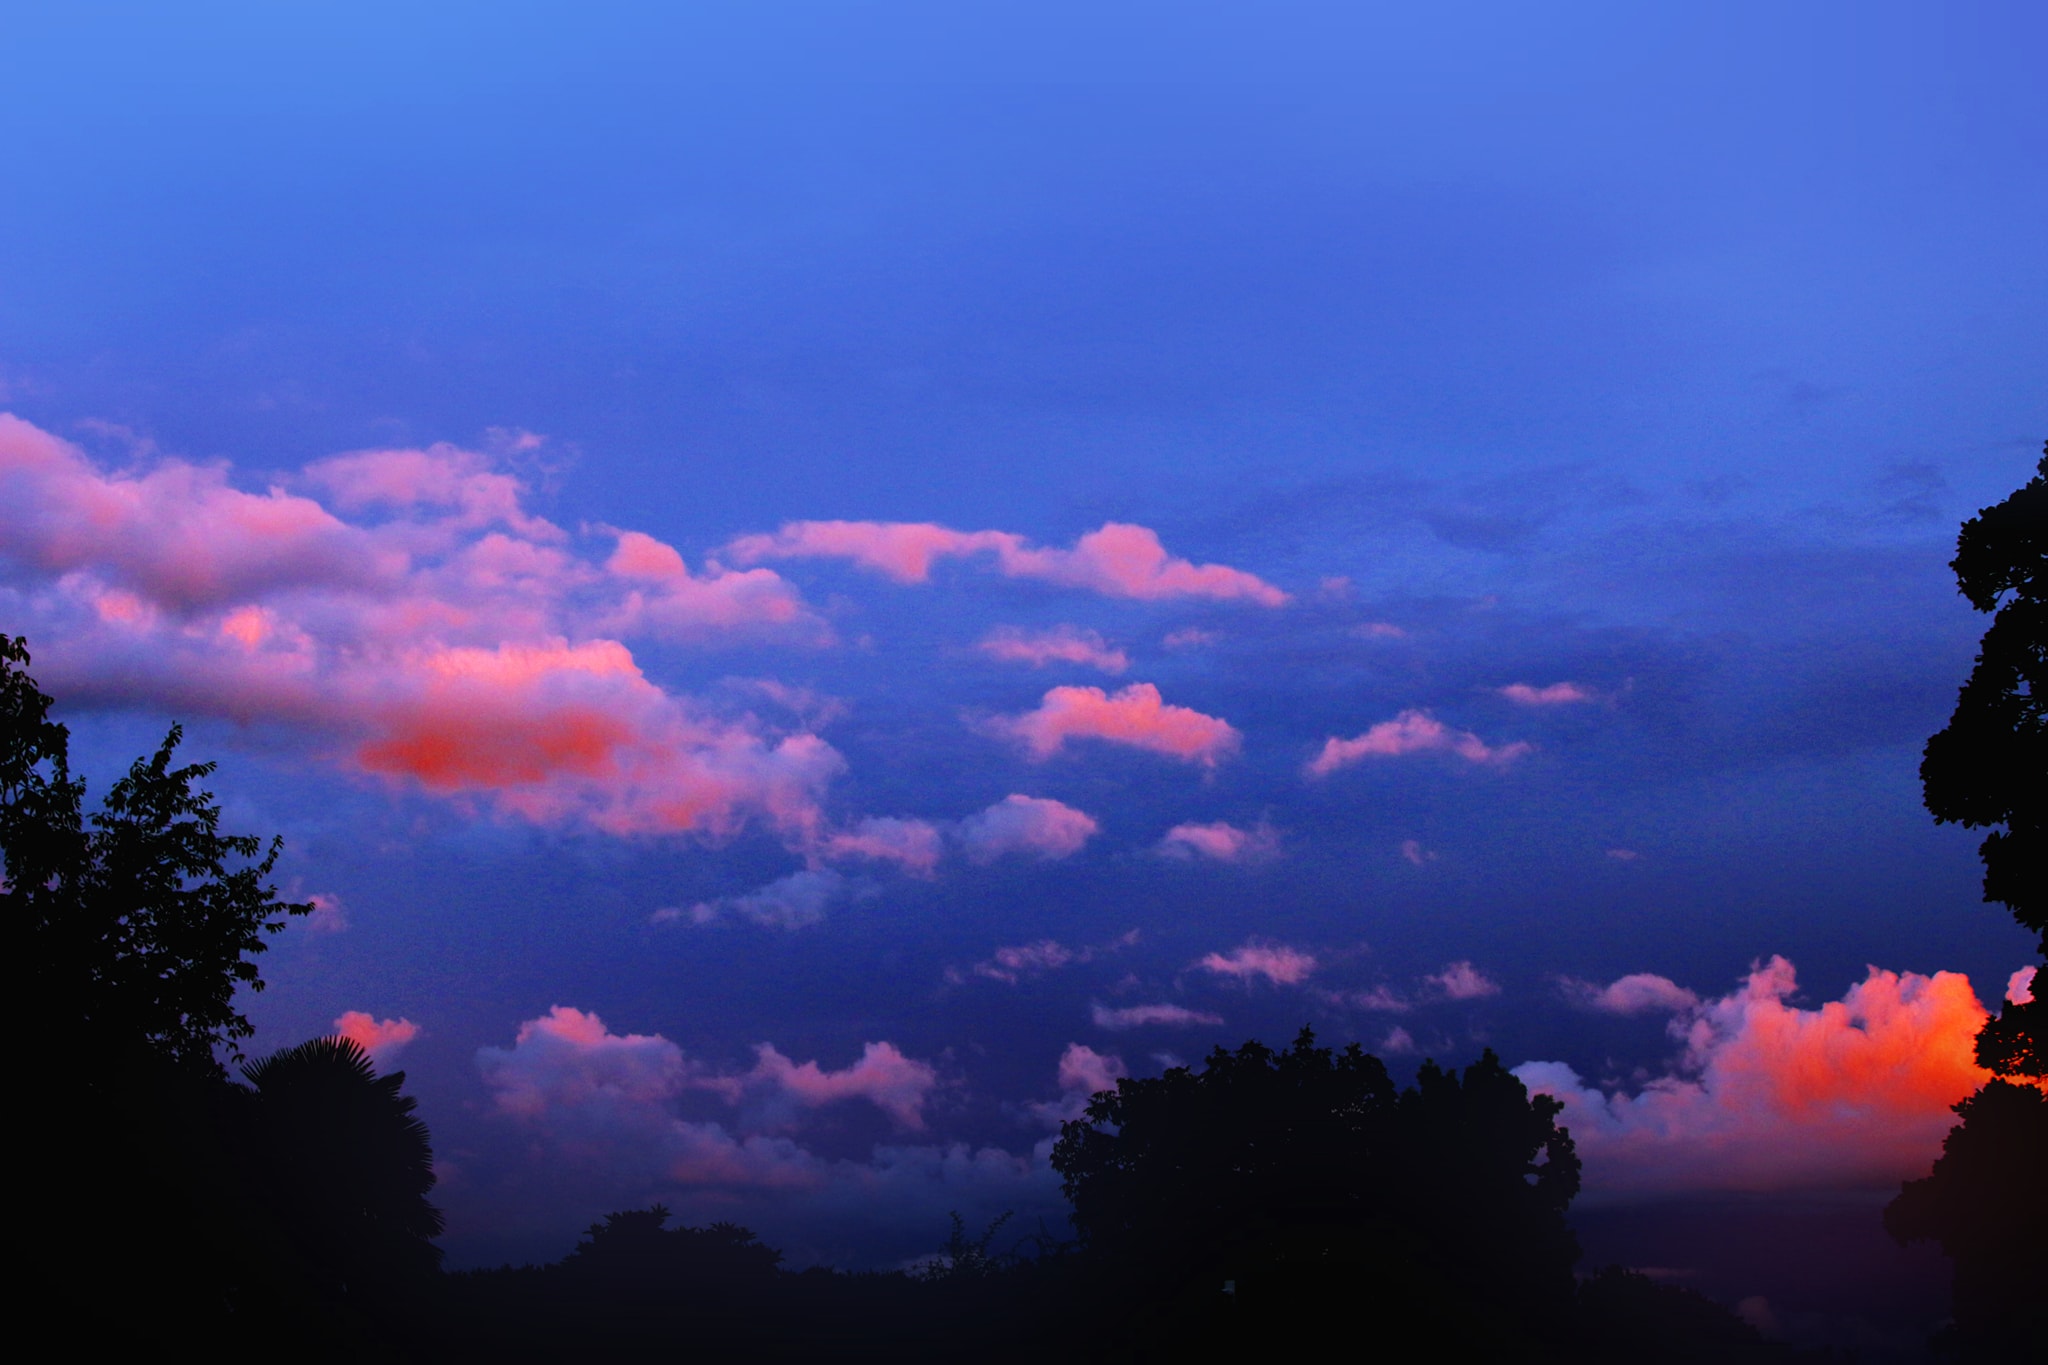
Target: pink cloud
<point x="1463" y="981"/>
<point x="1061" y="644"/>
<point x="1191" y="637"/>
<point x="1397" y="1042"/>
<point x="2019" y="987"/>
<point x="1082" y="1073"/>
<point x="1378" y="630"/>
<point x="1025" y="824"/>
<point x="1135" y="716"/>
<point x="1381" y="998"/>
<point x="1555" y="694"/>
<point x="1118" y="560"/>
<point x="1276" y="963"/>
<point x="1413" y="852"/>
<point x="329" y="915"/>
<point x="1637" y="993"/>
<point x="1150" y="1016"/>
<point x="603" y="1100"/>
<point x="1222" y="841"/>
<point x="884" y="1077"/>
<point x="176" y="536"/>
<point x="383" y="1039"/>
<point x="1013" y="962"/>
<point x="1769" y="1096"/>
<point x="440" y="640"/>
<point x="1411" y="732"/>
<point x="913" y="845"/>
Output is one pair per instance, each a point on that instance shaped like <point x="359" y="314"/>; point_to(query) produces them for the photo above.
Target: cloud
<point x="329" y="915"/>
<point x="1118" y="560"/>
<point x="1222" y="841"/>
<point x="895" y="1084"/>
<point x="1134" y="716"/>
<point x="1637" y="993"/>
<point x="1410" y="732"/>
<point x="1382" y="998"/>
<point x="1013" y="962"/>
<point x="1769" y="1096"/>
<point x="1082" y="1073"/>
<point x="1191" y="637"/>
<point x="2019" y="987"/>
<point x="913" y="845"/>
<point x="1277" y="963"/>
<point x="383" y="1039"/>
<point x="610" y="1099"/>
<point x="1413" y="851"/>
<point x="796" y="901"/>
<point x="1061" y="644"/>
<point x="424" y="628"/>
<point x="1149" y="1016"/>
<point x="1555" y="694"/>
<point x="1463" y="981"/>
<point x="1025" y="824"/>
<point x="1397" y="1042"/>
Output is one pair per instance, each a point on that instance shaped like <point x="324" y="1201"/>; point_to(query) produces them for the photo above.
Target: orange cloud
<point x="1135" y="716"/>
<point x="1770" y="1096"/>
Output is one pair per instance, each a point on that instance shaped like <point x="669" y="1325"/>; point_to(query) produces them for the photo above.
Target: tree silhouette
<point x="1989" y="767"/>
<point x="1305" y="1183"/>
<point x="136" y="926"/>
<point x="1986" y="1201"/>
<point x="344" y="1166"/>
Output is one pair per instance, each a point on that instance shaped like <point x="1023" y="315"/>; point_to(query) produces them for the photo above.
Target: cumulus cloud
<point x="795" y="901"/>
<point x="1135" y="716"/>
<point x="1118" y="560"/>
<point x="1221" y="841"/>
<point x="1770" y="1096"/>
<point x="1061" y="644"/>
<point x="1462" y="981"/>
<point x="1082" y="1073"/>
<point x="328" y="916"/>
<point x="913" y="845"/>
<point x="895" y="1084"/>
<point x="1410" y="732"/>
<point x="420" y="625"/>
<point x="1034" y="825"/>
<point x="1149" y="1016"/>
<point x="383" y="1039"/>
<point x="1636" y="993"/>
<point x="1274" y="962"/>
<point x="1552" y="694"/>
<point x="2019" y="987"/>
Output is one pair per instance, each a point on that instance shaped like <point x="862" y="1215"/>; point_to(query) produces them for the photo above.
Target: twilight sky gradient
<point x="809" y="584"/>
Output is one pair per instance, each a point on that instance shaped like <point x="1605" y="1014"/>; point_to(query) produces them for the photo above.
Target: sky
<point x="808" y="585"/>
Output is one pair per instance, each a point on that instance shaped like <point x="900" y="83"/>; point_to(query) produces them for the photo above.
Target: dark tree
<point x="1305" y="1181"/>
<point x="1989" y="768"/>
<point x="1986" y="1203"/>
<point x="344" y="1166"/>
<point x="136" y="926"/>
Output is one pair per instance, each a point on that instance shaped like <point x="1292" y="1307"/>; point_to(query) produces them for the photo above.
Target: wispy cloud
<point x="1061" y="644"/>
<point x="1410" y="732"/>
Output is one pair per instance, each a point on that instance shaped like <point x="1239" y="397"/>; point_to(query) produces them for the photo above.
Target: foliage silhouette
<point x="137" y="925"/>
<point x="344" y="1165"/>
<point x="1304" y="1181"/>
<point x="1986" y="1203"/>
<point x="1989" y="767"/>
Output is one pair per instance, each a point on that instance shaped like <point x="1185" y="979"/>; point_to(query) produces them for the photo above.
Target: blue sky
<point x="1656" y="354"/>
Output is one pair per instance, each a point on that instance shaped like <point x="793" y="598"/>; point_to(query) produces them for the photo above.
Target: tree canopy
<point x="138" y="924"/>
<point x="1301" y="1175"/>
